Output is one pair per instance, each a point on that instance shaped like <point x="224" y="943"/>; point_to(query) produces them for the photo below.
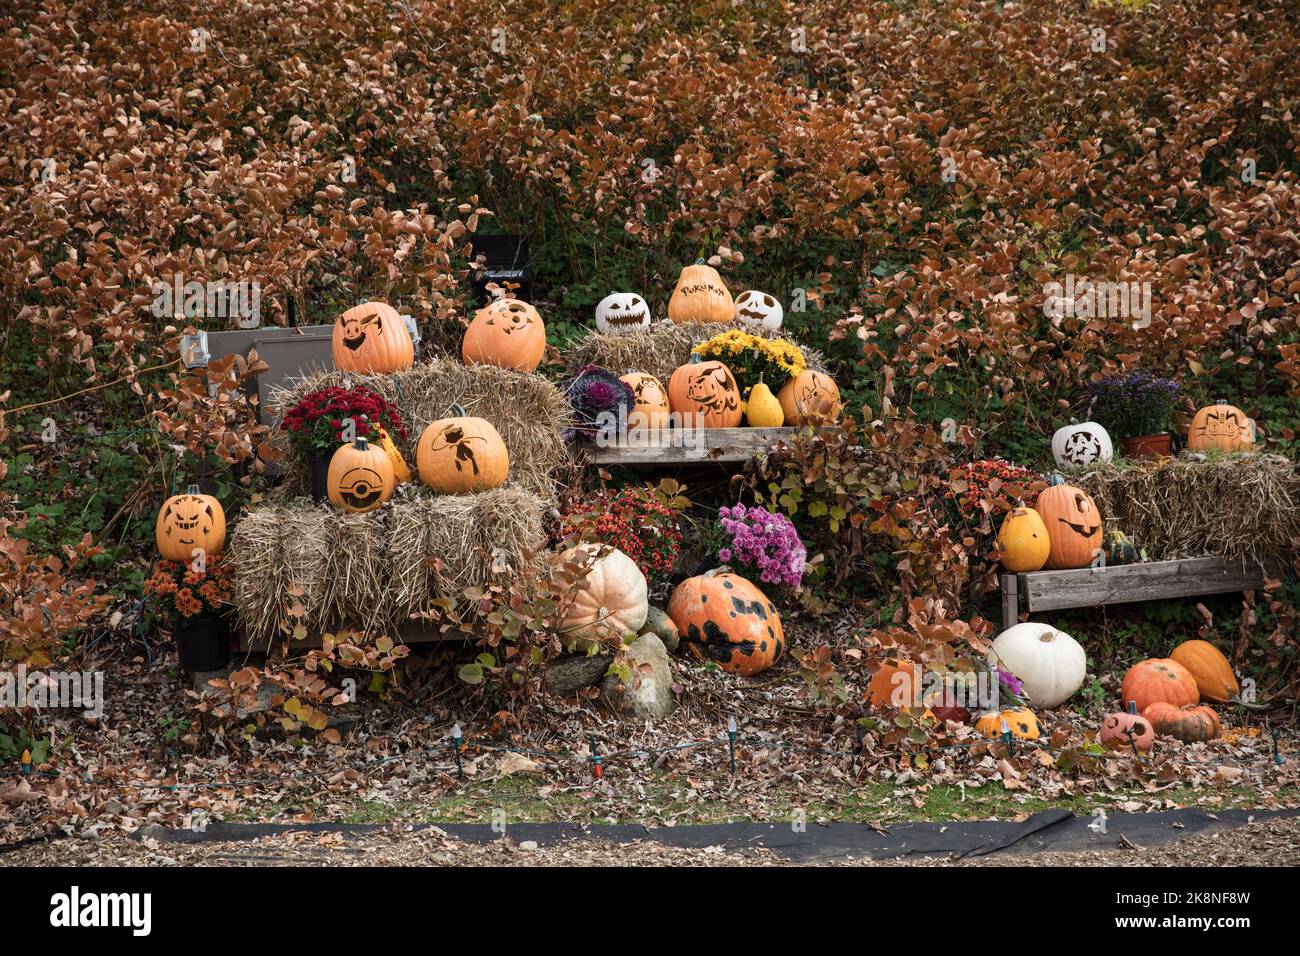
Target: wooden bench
<point x="1126" y="583"/>
<point x="700" y="446"/>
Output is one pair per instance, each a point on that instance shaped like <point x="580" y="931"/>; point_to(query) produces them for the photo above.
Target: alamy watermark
<point x="75" y="690"/>
<point x="674" y="430"/>
<point x="241" y="301"/>
<point x="1082" y="298"/>
<point x="975" y="691"/>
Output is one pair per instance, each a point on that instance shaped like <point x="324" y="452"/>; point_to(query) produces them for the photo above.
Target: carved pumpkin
<point x="1075" y="446"/>
<point x="1050" y="663"/>
<point x="723" y="617"/>
<point x="1189" y="722"/>
<point x="762" y="410"/>
<point x="190" y="522"/>
<point x="1159" y="679"/>
<point x="1209" y="668"/>
<point x="401" y="471"/>
<point x="893" y="685"/>
<point x="1221" y="427"/>
<point x="1023" y="541"/>
<point x="810" y="398"/>
<point x="462" y="453"/>
<point x="705" y="394"/>
<point x="372" y="337"/>
<point x="759" y="311"/>
<point x="507" y="333"/>
<point x="1073" y="525"/>
<point x="612" y="600"/>
<point x="622" y="312"/>
<point x="651" y="408"/>
<point x="701" y="296"/>
<point x="1126" y="730"/>
<point x="360" y="476"/>
<point x="1020" y="720"/>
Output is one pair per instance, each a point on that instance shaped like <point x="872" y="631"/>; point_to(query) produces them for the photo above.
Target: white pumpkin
<point x="622" y="312"/>
<point x="1050" y="663"/>
<point x="612" y="601"/>
<point x="758" y="310"/>
<point x="1086" y="443"/>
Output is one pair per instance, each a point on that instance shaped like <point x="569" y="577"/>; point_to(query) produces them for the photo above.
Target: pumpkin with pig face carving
<point x="705" y="394"/>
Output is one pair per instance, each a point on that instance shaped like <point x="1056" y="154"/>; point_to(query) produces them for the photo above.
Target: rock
<point x="564" y="675"/>
<point x="648" y="691"/>
<point x="658" y="623"/>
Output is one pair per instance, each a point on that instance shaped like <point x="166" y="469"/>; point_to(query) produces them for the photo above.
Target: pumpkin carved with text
<point x="507" y="333"/>
<point x="705" y="394"/>
<point x="724" y="618"/>
<point x="1159" y="679"/>
<point x="1074" y="526"/>
<point x="462" y="453"/>
<point x="360" y="476"/>
<point x="701" y="296"/>
<point x="1221" y="427"/>
<point x="372" y="338"/>
<point x="190" y="522"/>
<point x="810" y="398"/>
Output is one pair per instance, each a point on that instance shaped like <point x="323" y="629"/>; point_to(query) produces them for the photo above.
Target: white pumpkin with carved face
<point x="759" y="311"/>
<point x="622" y="312"/>
<point x="1076" y="446"/>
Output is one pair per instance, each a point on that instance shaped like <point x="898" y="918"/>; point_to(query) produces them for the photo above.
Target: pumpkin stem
<point x="360" y="444"/>
<point x="192" y="490"/>
<point x="695" y="359"/>
<point x="1132" y="707"/>
<point x="1056" y="479"/>
<point x="457" y="410"/>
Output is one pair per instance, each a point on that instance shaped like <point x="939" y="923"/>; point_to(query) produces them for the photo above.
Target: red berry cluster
<point x="317" y="418"/>
<point x="978" y="475"/>
<point x="642" y="527"/>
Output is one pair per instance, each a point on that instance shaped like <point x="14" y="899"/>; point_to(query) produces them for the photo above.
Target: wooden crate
<point x="674" y="449"/>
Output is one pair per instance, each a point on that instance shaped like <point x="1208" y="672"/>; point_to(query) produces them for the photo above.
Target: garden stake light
<point x="455" y="743"/>
<point x="731" y="742"/>
<point x="27" y="760"/>
<point x="1008" y="739"/>
<point x="597" y="769"/>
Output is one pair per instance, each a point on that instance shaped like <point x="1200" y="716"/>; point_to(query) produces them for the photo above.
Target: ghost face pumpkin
<point x="1075" y="446"/>
<point x="760" y="311"/>
<point x="507" y="333"/>
<point x="372" y="338"/>
<point x="1221" y="427"/>
<point x="188" y="523"/>
<point x="705" y="395"/>
<point x="622" y="312"/>
<point x="1074" y="525"/>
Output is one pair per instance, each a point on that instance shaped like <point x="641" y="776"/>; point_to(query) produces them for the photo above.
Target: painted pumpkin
<point x="651" y="408"/>
<point x="507" y="333"/>
<point x="893" y="685"/>
<point x="1050" y="663"/>
<point x="1020" y="720"/>
<point x="701" y="296"/>
<point x="762" y="410"/>
<point x="1213" y="674"/>
<point x="1075" y="446"/>
<point x="462" y="453"/>
<point x="1221" y="427"/>
<point x="622" y="312"/>
<point x="759" y="311"/>
<point x="1189" y="723"/>
<point x="1074" y="525"/>
<point x="810" y="398"/>
<point x="1159" y="679"/>
<point x="612" y="601"/>
<point x="360" y="476"/>
<point x="372" y="337"/>
<point x="1126" y="730"/>
<point x="723" y="617"/>
<point x="401" y="471"/>
<point x="705" y="394"/>
<point x="190" y="522"/>
<point x="1023" y="541"/>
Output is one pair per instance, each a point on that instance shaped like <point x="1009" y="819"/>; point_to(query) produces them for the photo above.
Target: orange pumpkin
<point x="1221" y="427"/>
<point x="701" y="296"/>
<point x="810" y="398"/>
<point x="462" y="453"/>
<point x="1189" y="722"/>
<point x="705" y="395"/>
<point x="723" y="617"/>
<point x="651" y="409"/>
<point x="1158" y="679"/>
<point x="372" y="337"/>
<point x="507" y="333"/>
<point x="1127" y="730"/>
<point x="1020" y="721"/>
<point x="188" y="523"/>
<point x="1209" y="668"/>
<point x="1073" y="522"/>
<point x="887" y="689"/>
<point x="360" y="477"/>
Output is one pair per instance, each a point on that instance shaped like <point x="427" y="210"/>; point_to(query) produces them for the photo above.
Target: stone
<point x="658" y="623"/>
<point x="648" y="691"/>
<point x="566" y="674"/>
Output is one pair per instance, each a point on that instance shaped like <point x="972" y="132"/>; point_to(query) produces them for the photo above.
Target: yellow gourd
<point x="763" y="410"/>
<point x="400" y="469"/>
<point x="1024" y="541"/>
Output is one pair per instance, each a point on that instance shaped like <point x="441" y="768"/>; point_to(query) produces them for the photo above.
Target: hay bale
<point x="1232" y="506"/>
<point x="526" y="409"/>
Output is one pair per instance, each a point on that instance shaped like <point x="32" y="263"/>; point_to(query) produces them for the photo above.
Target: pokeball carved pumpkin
<point x="1087" y="443"/>
<point x="810" y="398"/>
<point x="622" y="312"/>
<point x="723" y="617"/>
<point x="372" y="337"/>
<point x="705" y="394"/>
<point x="1221" y="427"/>
<point x="651" y="409"/>
<point x="360" y="477"/>
<point x="462" y="453"/>
<point x="188" y="523"/>
<point x="1074" y="526"/>
<point x="759" y="311"/>
<point x="507" y="333"/>
<point x="701" y="296"/>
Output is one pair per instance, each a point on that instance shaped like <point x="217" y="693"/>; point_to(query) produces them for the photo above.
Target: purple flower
<point x="1012" y="683"/>
<point x="764" y="543"/>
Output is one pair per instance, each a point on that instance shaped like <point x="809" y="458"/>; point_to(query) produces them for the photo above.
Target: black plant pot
<point x="204" y="643"/>
<point x="320" y="469"/>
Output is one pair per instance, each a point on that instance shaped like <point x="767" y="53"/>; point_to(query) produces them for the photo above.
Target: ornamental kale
<point x="595" y="391"/>
<point x="765" y="543"/>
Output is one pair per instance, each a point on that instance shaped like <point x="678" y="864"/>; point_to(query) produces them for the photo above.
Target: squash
<point x="650" y="410"/>
<point x="1075" y="446"/>
<point x="1189" y="723"/>
<point x="1050" y="663"/>
<point x="1023" y="541"/>
<point x="360" y="477"/>
<point x="759" y="311"/>
<point x="762" y="410"/>
<point x="1127" y="729"/>
<point x="1209" y="668"/>
<point x="700" y="296"/>
<point x="190" y="522"/>
<point x="462" y="453"/>
<point x="1020" y="720"/>
<point x="1158" y="679"/>
<point x="705" y="395"/>
<point x="1074" y="526"/>
<point x="622" y="312"/>
<point x="507" y="333"/>
<point x="810" y="398"/>
<point x="723" y="617"/>
<point x="894" y="684"/>
<point x="612" y="601"/>
<point x="371" y="338"/>
<point x="401" y="471"/>
<point x="1221" y="427"/>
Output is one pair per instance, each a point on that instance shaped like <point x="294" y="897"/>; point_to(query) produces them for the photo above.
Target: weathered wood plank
<point x="1150" y="581"/>
<point x="685" y="446"/>
<point x="413" y="632"/>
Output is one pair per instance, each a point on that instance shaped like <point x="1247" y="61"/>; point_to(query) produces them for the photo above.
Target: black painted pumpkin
<point x="722" y="617"/>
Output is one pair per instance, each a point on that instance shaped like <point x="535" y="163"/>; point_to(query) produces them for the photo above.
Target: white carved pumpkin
<point x="1050" y="663"/>
<point x="1086" y="443"/>
<point x="622" y="312"/>
<point x="758" y="310"/>
<point x="613" y="600"/>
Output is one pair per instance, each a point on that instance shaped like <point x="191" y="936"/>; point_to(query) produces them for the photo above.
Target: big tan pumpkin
<point x="1074" y="526"/>
<point x="462" y="453"/>
<point x="372" y="337"/>
<point x="507" y="333"/>
<point x="724" y="618"/>
<point x="1209" y="668"/>
<point x="612" y="601"/>
<point x="360" y="476"/>
<point x="810" y="398"/>
<point x="701" y="296"/>
<point x="651" y="409"/>
<point x="705" y="395"/>
<point x="190" y="522"/>
<point x="1221" y="427"/>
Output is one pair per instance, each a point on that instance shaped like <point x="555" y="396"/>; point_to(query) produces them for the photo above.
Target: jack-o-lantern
<point x="810" y="398"/>
<point x="622" y="312"/>
<point x="1221" y="427"/>
<point x="701" y="296"/>
<point x="507" y="333"/>
<point x="372" y="337"/>
<point x="1075" y="446"/>
<point x="1127" y="730"/>
<point x="462" y="453"/>
<point x="360" y="476"/>
<point x="189" y="523"/>
<point x="1074" y="525"/>
<point x="651" y="409"/>
<point x="1020" y="721"/>
<point x="759" y="311"/>
<point x="705" y="394"/>
<point x="1024" y="541"/>
<point x="723" y="617"/>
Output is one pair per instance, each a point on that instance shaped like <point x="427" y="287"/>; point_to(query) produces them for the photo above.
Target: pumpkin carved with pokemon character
<point x="372" y="338"/>
<point x="507" y="333"/>
<point x="810" y="398"/>
<point x="462" y="453"/>
<point x="1221" y="427"/>
<point x="650" y="410"/>
<point x="190" y="522"/>
<point x="360" y="477"/>
<point x="705" y="395"/>
<point x="723" y="617"/>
